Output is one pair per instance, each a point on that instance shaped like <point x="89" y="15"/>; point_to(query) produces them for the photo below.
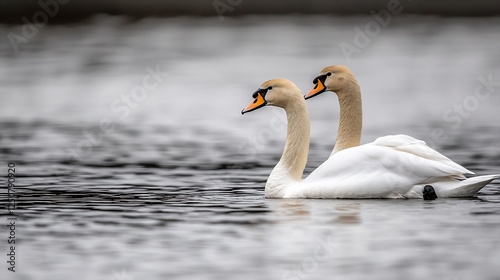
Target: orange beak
<point x="258" y="102"/>
<point x="319" y="88"/>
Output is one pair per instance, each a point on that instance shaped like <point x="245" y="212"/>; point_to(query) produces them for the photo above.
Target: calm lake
<point x="134" y="162"/>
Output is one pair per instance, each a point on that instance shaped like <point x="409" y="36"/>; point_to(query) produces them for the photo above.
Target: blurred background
<point x="123" y="119"/>
<point x="75" y="10"/>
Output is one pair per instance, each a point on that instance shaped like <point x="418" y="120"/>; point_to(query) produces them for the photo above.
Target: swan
<point x="366" y="171"/>
<point x="449" y="181"/>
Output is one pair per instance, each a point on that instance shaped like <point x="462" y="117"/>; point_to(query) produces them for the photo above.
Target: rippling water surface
<point x="172" y="187"/>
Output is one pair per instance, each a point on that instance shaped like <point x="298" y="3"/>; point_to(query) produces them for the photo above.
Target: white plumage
<point x="395" y="166"/>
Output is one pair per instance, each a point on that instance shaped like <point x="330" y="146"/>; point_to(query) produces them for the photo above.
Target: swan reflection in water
<point x="337" y="212"/>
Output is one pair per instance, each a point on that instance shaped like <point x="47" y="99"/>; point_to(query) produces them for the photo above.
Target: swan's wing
<point x="371" y="171"/>
<point x="405" y="143"/>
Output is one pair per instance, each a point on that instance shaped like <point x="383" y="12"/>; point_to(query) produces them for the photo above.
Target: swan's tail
<point x="466" y="188"/>
<point x="453" y="188"/>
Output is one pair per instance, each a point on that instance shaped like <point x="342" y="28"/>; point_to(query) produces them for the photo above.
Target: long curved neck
<point x="291" y="166"/>
<point x="294" y="156"/>
<point x="351" y="117"/>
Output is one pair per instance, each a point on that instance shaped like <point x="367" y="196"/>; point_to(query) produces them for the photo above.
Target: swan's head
<point x="277" y="92"/>
<point x="332" y="78"/>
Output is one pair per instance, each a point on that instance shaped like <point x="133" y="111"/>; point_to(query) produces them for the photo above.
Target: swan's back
<point x="405" y="143"/>
<point x="375" y="170"/>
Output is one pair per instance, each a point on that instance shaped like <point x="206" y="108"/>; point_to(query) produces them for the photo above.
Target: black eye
<point x="269" y="88"/>
<point x="328" y="74"/>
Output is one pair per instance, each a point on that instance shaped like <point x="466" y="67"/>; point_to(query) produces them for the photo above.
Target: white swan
<point x="447" y="178"/>
<point x="368" y="171"/>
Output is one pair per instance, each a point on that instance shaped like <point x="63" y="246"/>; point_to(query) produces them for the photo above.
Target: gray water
<point x="174" y="189"/>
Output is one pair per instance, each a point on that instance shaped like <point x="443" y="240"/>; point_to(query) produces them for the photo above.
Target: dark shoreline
<point x="13" y="11"/>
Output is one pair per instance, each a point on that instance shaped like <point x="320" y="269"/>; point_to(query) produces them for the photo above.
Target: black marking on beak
<point x="322" y="78"/>
<point x="262" y="92"/>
